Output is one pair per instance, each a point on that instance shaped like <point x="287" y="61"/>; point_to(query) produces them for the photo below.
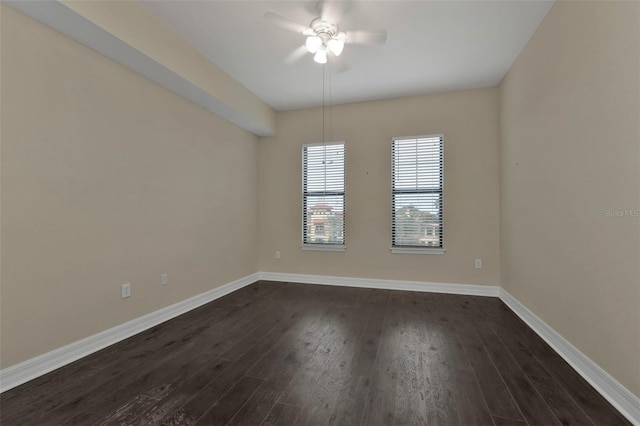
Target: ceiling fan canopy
<point x="323" y="35"/>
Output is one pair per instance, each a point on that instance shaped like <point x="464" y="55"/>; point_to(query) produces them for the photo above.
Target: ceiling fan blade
<point x="366" y="37"/>
<point x="285" y="22"/>
<point x="333" y="10"/>
<point x="296" y="55"/>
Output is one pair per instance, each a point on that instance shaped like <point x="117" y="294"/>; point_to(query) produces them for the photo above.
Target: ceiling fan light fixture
<point x="313" y="43"/>
<point x="336" y="46"/>
<point x="321" y="56"/>
<point x="323" y="34"/>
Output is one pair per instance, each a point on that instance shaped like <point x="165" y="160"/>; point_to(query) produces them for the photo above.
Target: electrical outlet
<point x="125" y="290"/>
<point x="478" y="263"/>
<point x="164" y="279"/>
<point x="277" y="254"/>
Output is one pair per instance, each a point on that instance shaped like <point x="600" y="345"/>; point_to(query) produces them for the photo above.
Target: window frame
<point x="418" y="249"/>
<point x="322" y="246"/>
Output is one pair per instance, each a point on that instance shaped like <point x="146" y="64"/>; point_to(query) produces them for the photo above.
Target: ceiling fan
<point x="323" y="36"/>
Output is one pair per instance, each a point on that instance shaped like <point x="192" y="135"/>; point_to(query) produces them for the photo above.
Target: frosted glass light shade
<point x="321" y="56"/>
<point x="336" y="46"/>
<point x="313" y="43"/>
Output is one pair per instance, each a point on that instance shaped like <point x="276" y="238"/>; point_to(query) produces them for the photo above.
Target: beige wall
<point x="130" y="22"/>
<point x="570" y="109"/>
<point x="469" y="121"/>
<point x="109" y="178"/>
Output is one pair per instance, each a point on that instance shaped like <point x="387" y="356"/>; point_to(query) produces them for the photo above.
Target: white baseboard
<point x="18" y="374"/>
<point x="614" y="392"/>
<point x="466" y="289"/>
<point x="620" y="397"/>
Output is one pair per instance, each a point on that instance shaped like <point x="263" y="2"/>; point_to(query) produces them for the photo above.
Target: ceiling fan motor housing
<point x="324" y="29"/>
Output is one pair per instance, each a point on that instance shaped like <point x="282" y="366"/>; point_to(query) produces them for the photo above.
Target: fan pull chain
<point x="324" y="141"/>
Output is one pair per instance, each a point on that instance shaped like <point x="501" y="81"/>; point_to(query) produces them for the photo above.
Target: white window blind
<point x="323" y="195"/>
<point x="417" y="181"/>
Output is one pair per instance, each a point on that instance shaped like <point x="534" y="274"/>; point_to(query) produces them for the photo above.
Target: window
<point x="416" y="181"/>
<point x="323" y="196"/>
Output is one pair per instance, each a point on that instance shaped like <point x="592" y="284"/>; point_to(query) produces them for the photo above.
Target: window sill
<point x="323" y="247"/>
<point x="417" y="250"/>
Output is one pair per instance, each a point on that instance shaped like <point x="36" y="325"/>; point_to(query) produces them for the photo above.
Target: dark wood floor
<point x="281" y="353"/>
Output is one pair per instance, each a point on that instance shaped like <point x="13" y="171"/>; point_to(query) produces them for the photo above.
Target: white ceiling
<point x="432" y="46"/>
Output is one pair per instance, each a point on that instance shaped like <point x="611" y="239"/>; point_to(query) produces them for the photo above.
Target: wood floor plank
<point x="259" y="329"/>
<point x="203" y="398"/>
<point x="278" y="353"/>
<point x="599" y="410"/>
<point x="84" y="418"/>
<point x="121" y="391"/>
<point x="281" y="415"/>
<point x="298" y="346"/>
<point x="437" y="366"/>
<point x="226" y="407"/>
<point x="494" y="390"/>
<point x="352" y="399"/>
<point x="260" y="403"/>
<point x="126" y="413"/>
<point x="501" y="421"/>
<point x="351" y="402"/>
<point x="533" y="407"/>
<point x="134" y="407"/>
<point x="470" y="400"/>
<point x="304" y="388"/>
<point x="44" y="389"/>
<point x="488" y="383"/>
<point x="380" y="404"/>
<point x="184" y="390"/>
<point x="337" y="374"/>
<point x="497" y="315"/>
<point x="562" y="405"/>
<point x="412" y="391"/>
<point x="112" y="373"/>
<point x="69" y="404"/>
<point x="190" y="412"/>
